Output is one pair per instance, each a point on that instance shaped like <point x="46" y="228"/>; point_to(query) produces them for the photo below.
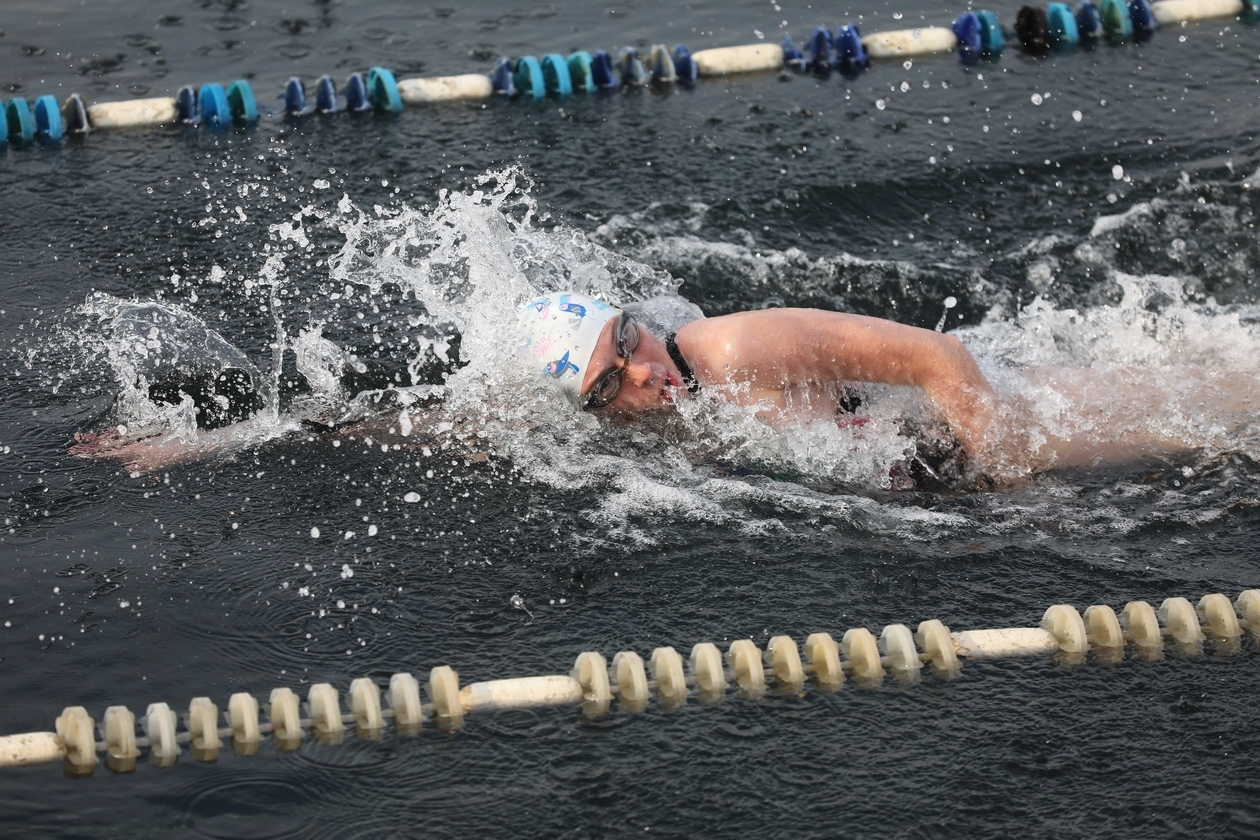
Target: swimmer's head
<point x="561" y="330"/>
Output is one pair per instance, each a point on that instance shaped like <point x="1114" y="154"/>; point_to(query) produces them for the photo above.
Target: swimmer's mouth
<point x="669" y="388"/>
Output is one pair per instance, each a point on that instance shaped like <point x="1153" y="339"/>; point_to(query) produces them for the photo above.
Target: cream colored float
<point x="706" y="666"/>
<point x="445" y="89"/>
<point x="31" y="748"/>
<point x="900" y="655"/>
<point x="132" y="113"/>
<point x="824" y="660"/>
<point x="365" y="706"/>
<point x="785" y="663"/>
<point x="521" y="693"/>
<point x="1003" y="643"/>
<point x="904" y="43"/>
<point x="859" y="654"/>
<point x="746" y="59"/>
<point x="1103" y="627"/>
<point x="1175" y="11"/>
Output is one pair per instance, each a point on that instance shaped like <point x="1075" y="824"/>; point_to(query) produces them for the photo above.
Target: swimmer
<point x="793" y="366"/>
<point x="797" y="365"/>
<point x="788" y="365"/>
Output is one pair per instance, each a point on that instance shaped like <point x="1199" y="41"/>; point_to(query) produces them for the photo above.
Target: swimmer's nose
<point x="638" y="374"/>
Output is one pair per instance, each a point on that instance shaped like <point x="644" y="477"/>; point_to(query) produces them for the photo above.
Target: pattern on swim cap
<point x="561" y="366"/>
<point x="572" y="308"/>
<point x="561" y="330"/>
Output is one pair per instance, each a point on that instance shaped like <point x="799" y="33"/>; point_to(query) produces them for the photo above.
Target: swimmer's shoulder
<point x="740" y="333"/>
<point x="742" y="347"/>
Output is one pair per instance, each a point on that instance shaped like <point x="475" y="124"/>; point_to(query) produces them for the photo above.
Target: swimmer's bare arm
<point x="775" y="350"/>
<point x="150" y="452"/>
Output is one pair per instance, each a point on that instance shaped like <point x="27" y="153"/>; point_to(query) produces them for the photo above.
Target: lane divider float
<point x="594" y="683"/>
<point x="974" y="35"/>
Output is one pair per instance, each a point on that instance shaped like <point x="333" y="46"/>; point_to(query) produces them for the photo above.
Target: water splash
<point x="405" y="331"/>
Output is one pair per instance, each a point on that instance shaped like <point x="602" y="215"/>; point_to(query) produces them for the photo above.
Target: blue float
<point x="850" y="54"/>
<point x="991" y="41"/>
<point x="241" y="104"/>
<point x="382" y="91"/>
<point x="527" y="75"/>
<point x="1033" y="30"/>
<point x="580" y="72"/>
<point x="821" y="52"/>
<point x="1088" y="24"/>
<point x="357" y="94"/>
<point x="556" y="77"/>
<point x="631" y="67"/>
<point x="213" y="105"/>
<point x="20" y="125"/>
<point x="602" y="70"/>
<point x="967" y="31"/>
<point x="1062" y="26"/>
<point x="325" y="95"/>
<point x="1117" y="22"/>
<point x="501" y="80"/>
<point x="48" y="118"/>
<point x="685" y="65"/>
<point x="792" y="57"/>
<point x="294" y="96"/>
<point x="1144" y="24"/>
<point x="4" y="126"/>
<point x="186" y="105"/>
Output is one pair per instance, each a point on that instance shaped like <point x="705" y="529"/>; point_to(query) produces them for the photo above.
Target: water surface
<point x="1092" y="210"/>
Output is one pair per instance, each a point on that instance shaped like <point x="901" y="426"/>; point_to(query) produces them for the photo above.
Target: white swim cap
<point x="561" y="330"/>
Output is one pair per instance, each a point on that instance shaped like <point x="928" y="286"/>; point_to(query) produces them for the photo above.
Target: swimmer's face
<point x="649" y="380"/>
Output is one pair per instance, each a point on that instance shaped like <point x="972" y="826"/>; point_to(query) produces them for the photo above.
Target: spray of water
<point x="410" y="329"/>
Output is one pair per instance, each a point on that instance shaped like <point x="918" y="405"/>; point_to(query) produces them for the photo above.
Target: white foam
<point x="465" y="265"/>
<point x="1107" y="224"/>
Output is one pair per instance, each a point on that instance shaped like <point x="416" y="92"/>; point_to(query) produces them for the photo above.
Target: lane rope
<point x="594" y="683"/>
<point x="975" y="36"/>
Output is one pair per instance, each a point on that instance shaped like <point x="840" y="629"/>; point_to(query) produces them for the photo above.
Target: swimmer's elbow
<point x="958" y="367"/>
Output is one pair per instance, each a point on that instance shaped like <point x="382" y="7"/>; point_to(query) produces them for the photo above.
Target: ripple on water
<point x="252" y="809"/>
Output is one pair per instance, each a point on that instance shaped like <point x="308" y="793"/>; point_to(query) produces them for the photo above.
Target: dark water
<point x="753" y="191"/>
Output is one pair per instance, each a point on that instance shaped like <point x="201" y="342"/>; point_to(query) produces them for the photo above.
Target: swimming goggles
<point x="609" y="385"/>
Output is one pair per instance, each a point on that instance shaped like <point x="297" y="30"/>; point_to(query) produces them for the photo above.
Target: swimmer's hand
<point x="150" y="452"/>
<point x="143" y="454"/>
<point x="155" y="451"/>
